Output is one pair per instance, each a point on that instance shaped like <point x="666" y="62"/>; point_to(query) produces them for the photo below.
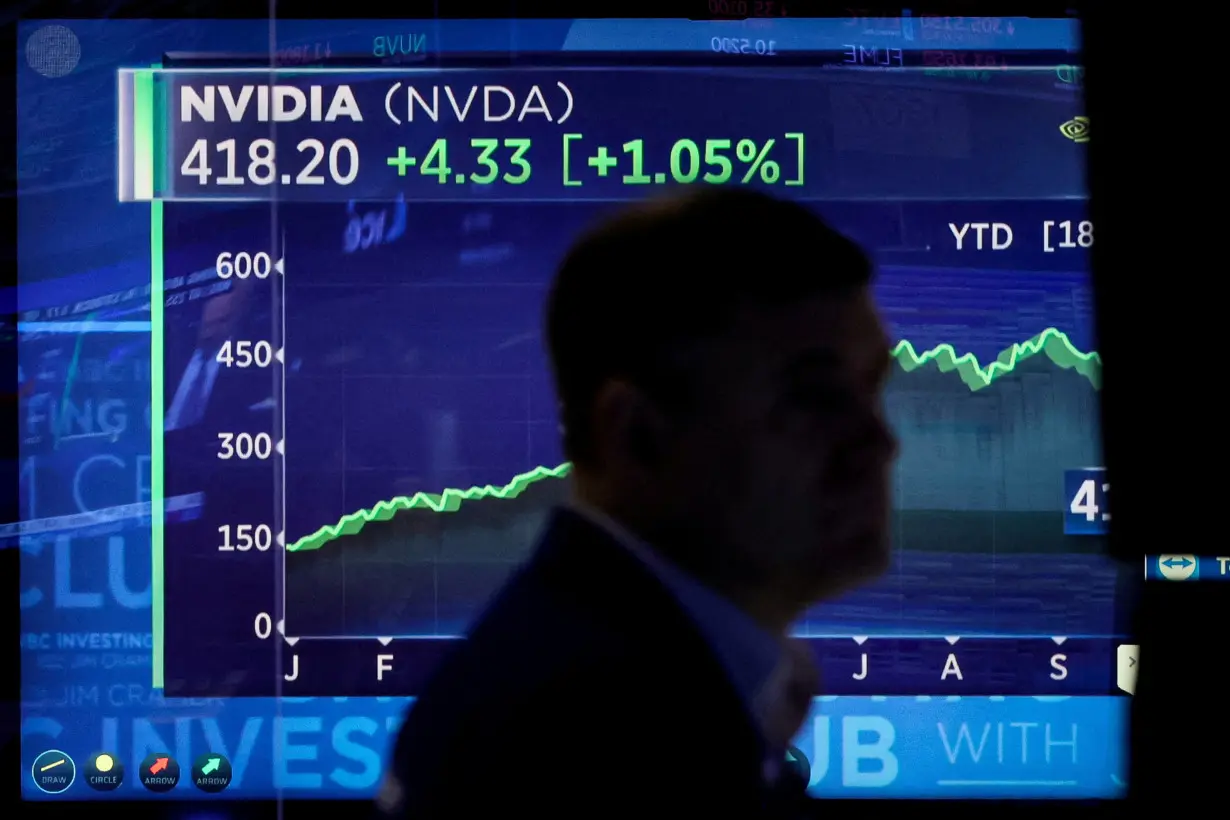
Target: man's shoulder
<point x="582" y="619"/>
<point x="560" y="720"/>
<point x="533" y="664"/>
<point x="519" y="693"/>
<point x="581" y="666"/>
<point x="524" y="645"/>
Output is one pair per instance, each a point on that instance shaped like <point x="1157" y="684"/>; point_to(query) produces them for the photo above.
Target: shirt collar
<point x="750" y="654"/>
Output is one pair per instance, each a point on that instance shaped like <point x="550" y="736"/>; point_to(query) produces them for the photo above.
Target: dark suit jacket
<point x="583" y="690"/>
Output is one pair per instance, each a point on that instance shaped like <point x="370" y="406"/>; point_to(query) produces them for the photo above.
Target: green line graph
<point x="448" y="501"/>
<point x="1052" y="343"/>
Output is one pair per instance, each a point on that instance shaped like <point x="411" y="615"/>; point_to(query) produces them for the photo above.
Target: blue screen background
<point x="86" y="616"/>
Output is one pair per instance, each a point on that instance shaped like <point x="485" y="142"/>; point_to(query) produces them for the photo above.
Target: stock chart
<point x="292" y="440"/>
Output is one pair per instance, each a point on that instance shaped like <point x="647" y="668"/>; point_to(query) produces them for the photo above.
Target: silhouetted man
<point x="720" y="365"/>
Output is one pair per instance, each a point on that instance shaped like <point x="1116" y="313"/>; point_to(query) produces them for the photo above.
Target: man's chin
<point x="855" y="563"/>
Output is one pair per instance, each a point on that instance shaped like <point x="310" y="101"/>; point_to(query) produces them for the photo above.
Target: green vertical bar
<point x="157" y="503"/>
<point x="146" y="109"/>
<point x="143" y="136"/>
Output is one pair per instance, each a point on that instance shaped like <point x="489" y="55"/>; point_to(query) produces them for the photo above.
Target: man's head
<point x="720" y="366"/>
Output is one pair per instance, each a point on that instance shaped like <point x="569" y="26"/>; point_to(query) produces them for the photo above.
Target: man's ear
<point x="628" y="426"/>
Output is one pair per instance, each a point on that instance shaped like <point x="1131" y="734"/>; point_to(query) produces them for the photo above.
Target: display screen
<point x="287" y="421"/>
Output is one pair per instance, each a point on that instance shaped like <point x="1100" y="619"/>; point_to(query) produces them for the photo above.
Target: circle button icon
<point x="159" y="772"/>
<point x="104" y="772"/>
<point x="211" y="773"/>
<point x="53" y="772"/>
<point x="1176" y="567"/>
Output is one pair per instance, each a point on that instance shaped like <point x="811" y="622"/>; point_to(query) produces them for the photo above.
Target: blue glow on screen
<point x="84" y="353"/>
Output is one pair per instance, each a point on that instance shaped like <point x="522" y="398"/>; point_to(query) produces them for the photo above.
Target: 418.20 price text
<point x="313" y="162"/>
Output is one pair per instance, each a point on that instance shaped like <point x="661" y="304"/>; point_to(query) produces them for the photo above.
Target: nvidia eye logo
<point x="1076" y="129"/>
